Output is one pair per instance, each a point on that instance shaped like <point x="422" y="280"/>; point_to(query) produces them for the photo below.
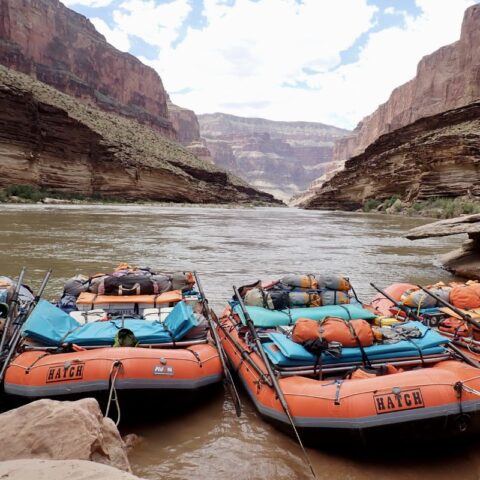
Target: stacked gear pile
<point x="464" y="296"/>
<point x="296" y="291"/>
<point x="125" y="280"/>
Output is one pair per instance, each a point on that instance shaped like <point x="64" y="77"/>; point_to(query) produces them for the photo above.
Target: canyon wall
<point x="436" y="156"/>
<point x="60" y="47"/>
<point x="422" y="142"/>
<point x="52" y="140"/>
<point x="446" y="79"/>
<point x="281" y="158"/>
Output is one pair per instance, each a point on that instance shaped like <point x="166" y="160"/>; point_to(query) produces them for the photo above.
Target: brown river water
<point x="235" y="246"/>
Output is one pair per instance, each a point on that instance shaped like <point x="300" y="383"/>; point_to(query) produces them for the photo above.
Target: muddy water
<point x="233" y="246"/>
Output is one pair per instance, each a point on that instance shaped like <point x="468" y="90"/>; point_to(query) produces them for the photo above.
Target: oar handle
<point x="463" y="315"/>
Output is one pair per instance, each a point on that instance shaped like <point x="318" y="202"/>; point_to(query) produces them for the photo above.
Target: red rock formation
<point x="281" y="158"/>
<point x="187" y="129"/>
<point x="60" y="47"/>
<point x="436" y="156"/>
<point x="447" y="79"/>
<point x="52" y="140"/>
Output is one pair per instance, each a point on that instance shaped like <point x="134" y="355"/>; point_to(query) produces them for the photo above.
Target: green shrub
<point x="371" y="204"/>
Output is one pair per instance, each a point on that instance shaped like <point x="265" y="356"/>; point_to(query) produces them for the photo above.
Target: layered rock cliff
<point x="436" y="156"/>
<point x="279" y="157"/>
<point x="446" y="79"/>
<point x="49" y="139"/>
<point x="60" y="47"/>
<point x="423" y="142"/>
<point x="187" y="129"/>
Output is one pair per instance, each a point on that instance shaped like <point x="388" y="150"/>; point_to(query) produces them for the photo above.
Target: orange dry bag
<point x="304" y="330"/>
<point x="349" y="333"/>
<point x="466" y="297"/>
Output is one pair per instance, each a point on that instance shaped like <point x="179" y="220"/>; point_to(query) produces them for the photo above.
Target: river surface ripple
<point x="233" y="246"/>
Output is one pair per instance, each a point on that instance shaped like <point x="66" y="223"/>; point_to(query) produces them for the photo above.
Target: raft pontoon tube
<point x="49" y="367"/>
<point x="430" y="388"/>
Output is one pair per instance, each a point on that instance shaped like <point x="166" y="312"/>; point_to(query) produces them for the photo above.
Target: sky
<point x="329" y="61"/>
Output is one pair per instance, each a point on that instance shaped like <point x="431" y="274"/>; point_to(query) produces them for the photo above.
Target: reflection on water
<point x="232" y="246"/>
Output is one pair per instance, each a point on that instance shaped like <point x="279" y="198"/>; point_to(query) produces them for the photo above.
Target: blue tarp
<point x="283" y="351"/>
<point x="265" y="318"/>
<point x="51" y="326"/>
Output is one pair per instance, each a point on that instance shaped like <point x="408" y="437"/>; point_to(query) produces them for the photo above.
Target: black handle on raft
<point x="273" y="378"/>
<point x="221" y="353"/>
<point x="461" y="314"/>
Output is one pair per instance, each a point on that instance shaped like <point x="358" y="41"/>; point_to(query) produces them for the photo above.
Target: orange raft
<point x="38" y="374"/>
<point x="442" y="397"/>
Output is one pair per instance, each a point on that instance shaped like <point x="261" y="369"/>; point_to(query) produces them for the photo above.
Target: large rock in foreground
<point x="50" y="429"/>
<point x="464" y="261"/>
<point x="60" y="470"/>
<point x="51" y="140"/>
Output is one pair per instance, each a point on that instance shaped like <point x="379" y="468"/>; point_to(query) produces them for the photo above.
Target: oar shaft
<point x="273" y="378"/>
<point x="399" y="305"/>
<point x="218" y="344"/>
<point x="461" y="314"/>
<point x="11" y="312"/>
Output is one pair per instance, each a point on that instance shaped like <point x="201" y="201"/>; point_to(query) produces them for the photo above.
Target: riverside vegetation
<point x="436" y="207"/>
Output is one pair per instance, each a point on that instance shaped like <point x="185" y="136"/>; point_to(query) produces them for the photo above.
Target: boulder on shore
<point x="464" y="261"/>
<point x="60" y="470"/>
<point x="62" y="430"/>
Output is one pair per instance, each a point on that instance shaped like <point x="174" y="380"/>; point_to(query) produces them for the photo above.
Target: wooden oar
<point x="19" y="321"/>
<point x="273" y="378"/>
<point x="13" y="304"/>
<point x="221" y="353"/>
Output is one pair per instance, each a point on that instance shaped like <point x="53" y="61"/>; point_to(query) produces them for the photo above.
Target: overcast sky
<point x="330" y="61"/>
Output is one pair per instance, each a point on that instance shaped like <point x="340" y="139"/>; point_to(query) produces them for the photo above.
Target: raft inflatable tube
<point x="415" y="404"/>
<point x="39" y="374"/>
<point x="265" y="318"/>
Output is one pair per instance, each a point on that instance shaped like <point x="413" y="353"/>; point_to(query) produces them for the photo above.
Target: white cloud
<point x="245" y="56"/>
<point x="88" y="3"/>
<point x="113" y="35"/>
<point x="155" y="24"/>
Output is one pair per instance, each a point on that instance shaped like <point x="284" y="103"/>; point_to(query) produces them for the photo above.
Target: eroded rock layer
<point x="437" y="156"/>
<point x="279" y="157"/>
<point x="60" y="47"/>
<point x="446" y="79"/>
<point x="51" y="140"/>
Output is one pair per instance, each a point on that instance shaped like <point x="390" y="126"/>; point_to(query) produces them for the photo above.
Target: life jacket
<point x="454" y="326"/>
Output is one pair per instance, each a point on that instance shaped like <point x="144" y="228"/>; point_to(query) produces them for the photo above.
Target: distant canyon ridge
<point x="281" y="158"/>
